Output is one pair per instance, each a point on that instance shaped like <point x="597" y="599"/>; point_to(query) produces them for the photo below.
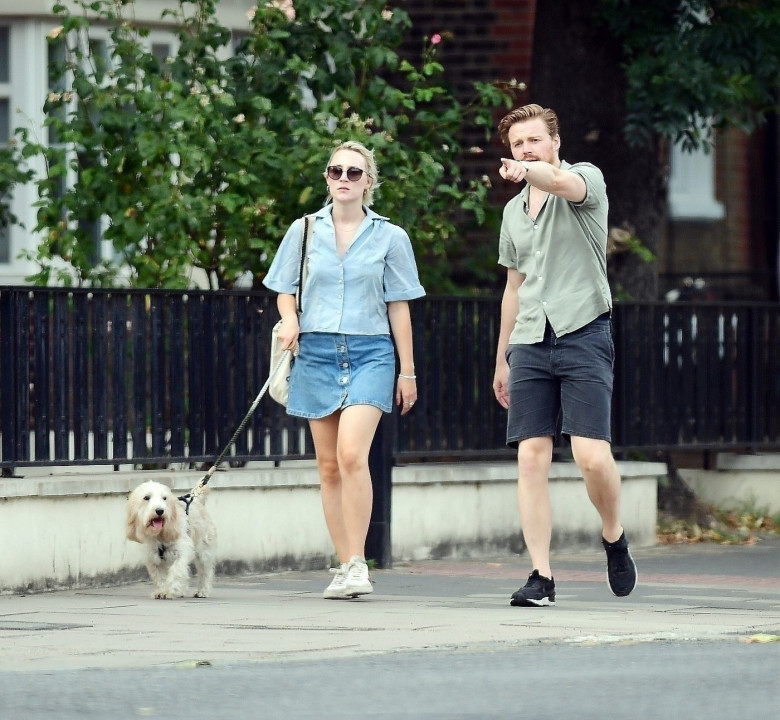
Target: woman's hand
<point x="406" y="393"/>
<point x="288" y="332"/>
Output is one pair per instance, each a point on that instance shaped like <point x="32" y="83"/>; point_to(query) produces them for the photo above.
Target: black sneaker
<point x="621" y="569"/>
<point x="538" y="591"/>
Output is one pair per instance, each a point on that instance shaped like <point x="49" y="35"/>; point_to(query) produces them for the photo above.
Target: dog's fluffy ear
<point x="134" y="520"/>
<point x="173" y="519"/>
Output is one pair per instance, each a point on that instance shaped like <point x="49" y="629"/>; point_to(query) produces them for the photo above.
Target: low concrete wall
<point x="471" y="509"/>
<point x="68" y="529"/>
<point x="751" y="481"/>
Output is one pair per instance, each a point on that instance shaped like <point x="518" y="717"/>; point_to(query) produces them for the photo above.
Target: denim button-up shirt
<point x="347" y="294"/>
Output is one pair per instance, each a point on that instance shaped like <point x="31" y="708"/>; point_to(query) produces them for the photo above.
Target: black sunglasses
<point x="336" y="172"/>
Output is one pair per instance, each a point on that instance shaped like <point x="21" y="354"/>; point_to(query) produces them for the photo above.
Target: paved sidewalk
<point x="702" y="592"/>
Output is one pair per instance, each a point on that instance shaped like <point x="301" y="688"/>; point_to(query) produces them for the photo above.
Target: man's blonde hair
<point x="528" y="112"/>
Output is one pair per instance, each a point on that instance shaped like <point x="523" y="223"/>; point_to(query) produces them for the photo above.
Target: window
<point x="692" y="186"/>
<point x="162" y="51"/>
<point x="101" y="57"/>
<point x="5" y="123"/>
<point x="5" y="56"/>
<point x="5" y="120"/>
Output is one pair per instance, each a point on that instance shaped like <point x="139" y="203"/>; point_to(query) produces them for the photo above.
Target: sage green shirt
<point x="563" y="255"/>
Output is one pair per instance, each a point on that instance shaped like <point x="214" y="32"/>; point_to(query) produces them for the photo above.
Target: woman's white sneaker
<point x="357" y="580"/>
<point x="337" y="590"/>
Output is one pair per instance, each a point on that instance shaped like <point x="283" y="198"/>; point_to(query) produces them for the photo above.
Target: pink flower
<point x="435" y="39"/>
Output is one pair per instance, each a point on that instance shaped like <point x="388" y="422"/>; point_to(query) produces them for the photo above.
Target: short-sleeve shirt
<point x="563" y="256"/>
<point x="347" y="294"/>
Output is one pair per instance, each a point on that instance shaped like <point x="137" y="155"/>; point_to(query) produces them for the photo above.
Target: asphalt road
<point x="696" y="679"/>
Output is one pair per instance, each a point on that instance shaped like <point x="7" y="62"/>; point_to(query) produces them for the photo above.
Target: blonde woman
<point x="361" y="276"/>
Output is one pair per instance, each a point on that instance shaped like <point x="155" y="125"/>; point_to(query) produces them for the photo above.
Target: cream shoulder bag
<point x="281" y="360"/>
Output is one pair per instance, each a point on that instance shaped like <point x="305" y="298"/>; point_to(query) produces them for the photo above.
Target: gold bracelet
<point x="407" y="377"/>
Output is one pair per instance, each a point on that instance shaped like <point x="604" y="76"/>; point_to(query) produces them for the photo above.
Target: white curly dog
<point x="172" y="538"/>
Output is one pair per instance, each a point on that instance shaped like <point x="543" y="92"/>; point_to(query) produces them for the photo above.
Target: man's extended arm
<point x="544" y="176"/>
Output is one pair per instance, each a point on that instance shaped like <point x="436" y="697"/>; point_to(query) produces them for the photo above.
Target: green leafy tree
<point x="695" y="66"/>
<point x="203" y="159"/>
<point x="633" y="76"/>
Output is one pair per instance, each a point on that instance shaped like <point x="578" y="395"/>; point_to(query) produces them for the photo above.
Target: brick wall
<point x="726" y="253"/>
<point x="486" y="40"/>
<point x="731" y="185"/>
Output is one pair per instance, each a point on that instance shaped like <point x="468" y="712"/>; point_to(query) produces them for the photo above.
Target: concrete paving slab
<point x="685" y="592"/>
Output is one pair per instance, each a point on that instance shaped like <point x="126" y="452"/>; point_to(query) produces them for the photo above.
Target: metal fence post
<point x="380" y="463"/>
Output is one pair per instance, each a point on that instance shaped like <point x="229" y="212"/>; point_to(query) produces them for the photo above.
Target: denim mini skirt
<point x="333" y="371"/>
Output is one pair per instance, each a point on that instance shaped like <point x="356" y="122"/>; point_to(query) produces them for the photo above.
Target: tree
<point x="628" y="76"/>
<point x="203" y="159"/>
<point x="696" y="66"/>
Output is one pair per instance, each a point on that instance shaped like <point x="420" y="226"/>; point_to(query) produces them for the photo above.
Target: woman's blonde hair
<point x="371" y="167"/>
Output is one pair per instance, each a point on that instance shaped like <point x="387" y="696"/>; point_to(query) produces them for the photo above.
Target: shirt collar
<point x="327" y="211"/>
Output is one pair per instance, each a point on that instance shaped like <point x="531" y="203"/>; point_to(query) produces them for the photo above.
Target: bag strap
<point x="308" y="229"/>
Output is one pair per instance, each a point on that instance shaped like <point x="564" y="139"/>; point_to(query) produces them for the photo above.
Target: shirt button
<point x="536" y="227"/>
<point x="544" y="302"/>
<point x="538" y="252"/>
<point x="541" y="278"/>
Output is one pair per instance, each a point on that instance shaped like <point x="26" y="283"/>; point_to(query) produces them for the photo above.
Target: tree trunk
<point x="576" y="70"/>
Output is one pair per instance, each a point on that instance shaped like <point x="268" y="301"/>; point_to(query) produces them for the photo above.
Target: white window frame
<point x="6" y="95"/>
<point x="25" y="90"/>
<point x="692" y="185"/>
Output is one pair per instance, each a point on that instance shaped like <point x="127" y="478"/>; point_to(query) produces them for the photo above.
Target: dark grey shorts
<point x="562" y="383"/>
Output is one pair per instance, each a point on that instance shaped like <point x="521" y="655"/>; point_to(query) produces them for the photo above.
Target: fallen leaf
<point x="760" y="638"/>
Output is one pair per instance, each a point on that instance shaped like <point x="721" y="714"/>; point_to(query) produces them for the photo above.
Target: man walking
<point x="554" y="361"/>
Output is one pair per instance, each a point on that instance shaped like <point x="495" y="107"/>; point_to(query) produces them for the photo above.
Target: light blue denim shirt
<point x="347" y="295"/>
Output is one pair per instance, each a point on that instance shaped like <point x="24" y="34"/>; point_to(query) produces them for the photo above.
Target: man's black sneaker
<point x="621" y="569"/>
<point x="538" y="591"/>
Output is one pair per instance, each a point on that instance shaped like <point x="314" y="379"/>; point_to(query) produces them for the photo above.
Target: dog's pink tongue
<point x="157" y="523"/>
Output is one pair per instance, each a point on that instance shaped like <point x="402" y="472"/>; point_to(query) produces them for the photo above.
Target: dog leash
<point x="190" y="496"/>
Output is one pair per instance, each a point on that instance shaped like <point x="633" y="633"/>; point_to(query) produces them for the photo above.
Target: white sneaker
<point x="357" y="581"/>
<point x="337" y="590"/>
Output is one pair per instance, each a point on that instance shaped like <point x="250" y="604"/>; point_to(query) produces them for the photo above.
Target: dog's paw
<point x="201" y="594"/>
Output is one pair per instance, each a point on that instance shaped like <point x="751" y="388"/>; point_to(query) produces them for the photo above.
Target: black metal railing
<point x="141" y="377"/>
<point x="700" y="376"/>
<point x="148" y="377"/>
